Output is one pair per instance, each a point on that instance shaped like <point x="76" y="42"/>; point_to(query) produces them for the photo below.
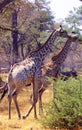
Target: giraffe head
<point x="73" y="37"/>
<point x="62" y="32"/>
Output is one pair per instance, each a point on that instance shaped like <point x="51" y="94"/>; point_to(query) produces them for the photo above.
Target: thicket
<point x="65" y="110"/>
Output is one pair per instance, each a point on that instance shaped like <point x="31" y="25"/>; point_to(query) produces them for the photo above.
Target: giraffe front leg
<point x="35" y="98"/>
<point x="40" y="104"/>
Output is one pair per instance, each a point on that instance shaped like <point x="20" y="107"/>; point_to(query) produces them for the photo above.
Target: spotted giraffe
<point x="53" y="69"/>
<point x="29" y="71"/>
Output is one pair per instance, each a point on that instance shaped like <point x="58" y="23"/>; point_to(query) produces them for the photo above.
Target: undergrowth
<point x="65" y="110"/>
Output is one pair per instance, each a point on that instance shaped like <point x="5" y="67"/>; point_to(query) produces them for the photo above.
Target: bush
<point x="65" y="110"/>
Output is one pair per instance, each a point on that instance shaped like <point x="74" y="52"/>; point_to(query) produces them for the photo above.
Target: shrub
<point x="65" y="110"/>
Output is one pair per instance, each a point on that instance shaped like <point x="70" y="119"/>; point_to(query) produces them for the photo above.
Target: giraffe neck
<point x="60" y="58"/>
<point x="53" y="71"/>
<point x="46" y="48"/>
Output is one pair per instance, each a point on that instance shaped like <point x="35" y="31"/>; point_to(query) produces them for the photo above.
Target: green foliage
<point x="74" y="20"/>
<point x="65" y="110"/>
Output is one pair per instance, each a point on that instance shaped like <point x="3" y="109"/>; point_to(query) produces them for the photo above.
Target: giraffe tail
<point x="4" y="90"/>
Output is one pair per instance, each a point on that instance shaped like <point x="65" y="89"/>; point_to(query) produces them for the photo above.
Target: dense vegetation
<point x="65" y="110"/>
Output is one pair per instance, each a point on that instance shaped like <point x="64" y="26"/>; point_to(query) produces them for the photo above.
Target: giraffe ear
<point x="73" y="32"/>
<point x="60" y="26"/>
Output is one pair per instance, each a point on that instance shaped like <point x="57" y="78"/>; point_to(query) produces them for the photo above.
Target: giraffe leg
<point x="35" y="98"/>
<point x="41" y="90"/>
<point x="16" y="104"/>
<point x="9" y="106"/>
<point x="40" y="102"/>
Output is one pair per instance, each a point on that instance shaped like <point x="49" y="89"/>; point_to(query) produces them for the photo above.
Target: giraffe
<point x="29" y="71"/>
<point x="53" y="69"/>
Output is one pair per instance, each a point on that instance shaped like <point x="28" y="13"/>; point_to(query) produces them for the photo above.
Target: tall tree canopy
<point x="24" y="23"/>
<point x="74" y="19"/>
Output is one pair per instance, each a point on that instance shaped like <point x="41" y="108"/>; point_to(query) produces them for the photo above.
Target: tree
<point x="46" y="18"/>
<point x="4" y="3"/>
<point x="14" y="34"/>
<point x="9" y="22"/>
<point x="24" y="22"/>
<point x="74" y="19"/>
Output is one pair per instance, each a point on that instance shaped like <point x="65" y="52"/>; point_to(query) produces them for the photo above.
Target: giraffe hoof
<point x="36" y="118"/>
<point x="19" y="118"/>
<point x="23" y="117"/>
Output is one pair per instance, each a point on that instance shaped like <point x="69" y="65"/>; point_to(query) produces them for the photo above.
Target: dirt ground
<point x="23" y="100"/>
<point x="14" y="123"/>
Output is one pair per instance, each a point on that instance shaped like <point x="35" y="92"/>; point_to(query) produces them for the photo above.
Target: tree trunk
<point x="14" y="50"/>
<point x="22" y="52"/>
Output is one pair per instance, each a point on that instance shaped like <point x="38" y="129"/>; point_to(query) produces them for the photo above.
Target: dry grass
<point x="4" y="76"/>
<point x="14" y="123"/>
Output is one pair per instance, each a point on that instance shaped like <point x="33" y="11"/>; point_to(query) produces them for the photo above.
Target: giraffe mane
<point x="44" y="43"/>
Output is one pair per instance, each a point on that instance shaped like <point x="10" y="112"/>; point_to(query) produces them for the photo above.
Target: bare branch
<point x="4" y="3"/>
<point x="5" y="29"/>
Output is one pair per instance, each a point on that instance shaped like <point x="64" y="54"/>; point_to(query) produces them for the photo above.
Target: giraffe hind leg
<point x="30" y="109"/>
<point x="14" y="96"/>
<point x="9" y="105"/>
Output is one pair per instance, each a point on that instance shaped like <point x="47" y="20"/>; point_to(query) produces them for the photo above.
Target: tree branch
<point x="4" y="3"/>
<point x="5" y="29"/>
